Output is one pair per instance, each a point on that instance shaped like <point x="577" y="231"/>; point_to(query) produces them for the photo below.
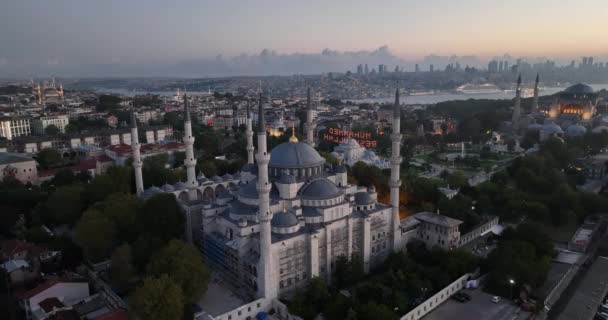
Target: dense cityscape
<point x="386" y="188"/>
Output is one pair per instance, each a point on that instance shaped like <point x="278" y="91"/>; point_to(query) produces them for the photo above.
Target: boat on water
<point x="485" y="88"/>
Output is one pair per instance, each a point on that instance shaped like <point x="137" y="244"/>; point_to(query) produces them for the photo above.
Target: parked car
<point x="496" y="299"/>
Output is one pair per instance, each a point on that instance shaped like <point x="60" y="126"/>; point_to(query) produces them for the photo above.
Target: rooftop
<point x="589" y="294"/>
<point x="438" y="219"/>
<point x="8" y="158"/>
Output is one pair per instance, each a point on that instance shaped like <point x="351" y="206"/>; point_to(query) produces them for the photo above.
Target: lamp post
<point x="511" y="283"/>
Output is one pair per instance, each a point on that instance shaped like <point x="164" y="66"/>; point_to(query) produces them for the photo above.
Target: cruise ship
<point x="420" y="92"/>
<point x="478" y="88"/>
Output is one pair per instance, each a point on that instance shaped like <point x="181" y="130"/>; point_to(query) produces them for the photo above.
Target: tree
<point x="121" y="209"/>
<point x="65" y="205"/>
<point x="8" y="218"/>
<point x="172" y="119"/>
<point x="456" y="180"/>
<point x="121" y="267"/>
<point x="116" y="180"/>
<point x="184" y="265"/>
<point x="99" y="189"/>
<point x="95" y="233"/>
<point x="158" y="298"/>
<point x="64" y="177"/>
<point x="348" y="271"/>
<point x="373" y="311"/>
<point x="178" y="159"/>
<point x="161" y="217"/>
<point x="208" y="168"/>
<point x="49" y="157"/>
<point x="52" y="129"/>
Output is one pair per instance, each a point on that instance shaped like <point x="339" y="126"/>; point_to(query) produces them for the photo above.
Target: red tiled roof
<point x="118" y="314"/>
<point x="87" y="164"/>
<point x="146" y="148"/>
<point x="120" y="148"/>
<point x="10" y="247"/>
<point x="49" y="304"/>
<point x="104" y="158"/>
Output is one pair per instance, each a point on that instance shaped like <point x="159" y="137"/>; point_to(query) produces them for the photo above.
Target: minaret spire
<point x="395" y="179"/>
<point x="249" y="134"/>
<point x="535" y="99"/>
<point x="310" y="127"/>
<point x="190" y="160"/>
<point x="266" y="278"/>
<point x="517" y="108"/>
<point x="137" y="163"/>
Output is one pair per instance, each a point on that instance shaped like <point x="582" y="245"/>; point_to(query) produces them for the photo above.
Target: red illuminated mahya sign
<point x="340" y="136"/>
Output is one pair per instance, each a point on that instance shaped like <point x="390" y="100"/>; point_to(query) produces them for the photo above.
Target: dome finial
<point x="293" y="138"/>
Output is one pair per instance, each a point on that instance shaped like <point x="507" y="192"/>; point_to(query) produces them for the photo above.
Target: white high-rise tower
<point x="137" y="163"/>
<point x="190" y="160"/>
<point x="266" y="285"/>
<point x="395" y="180"/>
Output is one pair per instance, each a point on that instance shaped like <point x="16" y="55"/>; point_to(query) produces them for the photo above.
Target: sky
<point x="83" y="36"/>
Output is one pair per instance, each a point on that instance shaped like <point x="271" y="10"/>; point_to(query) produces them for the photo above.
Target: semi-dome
<point x="152" y="191"/>
<point x="294" y="155"/>
<point x="552" y="128"/>
<point x="168" y="188"/>
<point x="579" y="88"/>
<point x="284" y="219"/>
<point x="575" y="130"/>
<point x="180" y="186"/>
<point x="248" y="167"/>
<point x="363" y="198"/>
<point x="320" y="189"/>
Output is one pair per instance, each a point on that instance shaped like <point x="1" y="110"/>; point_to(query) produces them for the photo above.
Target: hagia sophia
<point x="571" y="113"/>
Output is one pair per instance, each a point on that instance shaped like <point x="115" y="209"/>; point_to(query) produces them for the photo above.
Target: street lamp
<point x="511" y="283"/>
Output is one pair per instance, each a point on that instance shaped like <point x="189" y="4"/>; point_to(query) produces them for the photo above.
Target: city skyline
<point x="77" y="39"/>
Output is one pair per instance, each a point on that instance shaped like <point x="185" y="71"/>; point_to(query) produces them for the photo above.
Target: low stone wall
<point x="244" y="312"/>
<point x="250" y="310"/>
<point x="434" y="301"/>
<point x="477" y="232"/>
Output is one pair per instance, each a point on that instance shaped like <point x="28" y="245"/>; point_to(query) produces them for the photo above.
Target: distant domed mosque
<point x="578" y="100"/>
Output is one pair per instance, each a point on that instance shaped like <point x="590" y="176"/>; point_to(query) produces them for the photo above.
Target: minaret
<point x="517" y="108"/>
<point x="190" y="160"/>
<point x="266" y="283"/>
<point x="249" y="134"/>
<point x="395" y="180"/>
<point x="137" y="163"/>
<point x="535" y="100"/>
<point x="310" y="130"/>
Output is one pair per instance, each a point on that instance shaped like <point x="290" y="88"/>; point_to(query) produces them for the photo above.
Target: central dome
<point x="291" y="155"/>
<point x="579" y="88"/>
